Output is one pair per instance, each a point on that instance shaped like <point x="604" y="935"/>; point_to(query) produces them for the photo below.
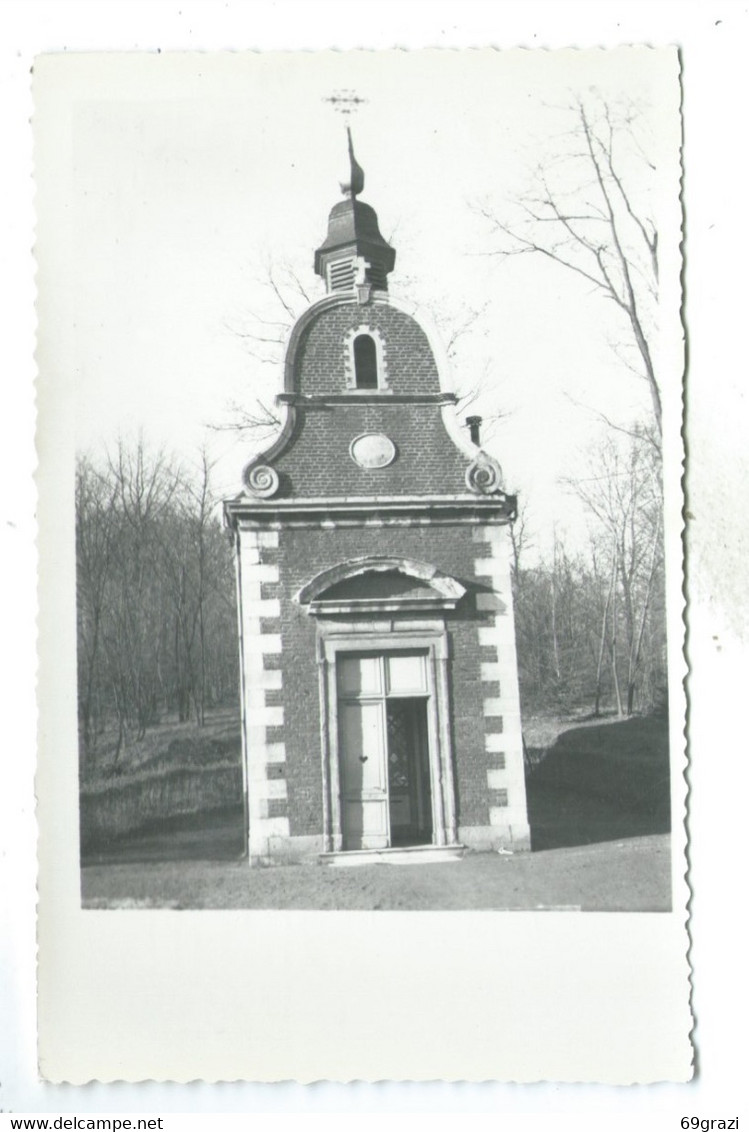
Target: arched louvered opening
<point x="341" y="275"/>
<point x="365" y="362"/>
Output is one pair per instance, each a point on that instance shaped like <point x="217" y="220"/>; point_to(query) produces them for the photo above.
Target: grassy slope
<point x="175" y="770"/>
<point x="221" y="728"/>
<point x="599" y="809"/>
<point x="600" y="781"/>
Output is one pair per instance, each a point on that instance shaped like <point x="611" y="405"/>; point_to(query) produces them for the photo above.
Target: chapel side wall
<point x="487" y="747"/>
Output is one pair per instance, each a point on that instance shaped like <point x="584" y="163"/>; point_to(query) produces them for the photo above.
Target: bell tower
<point x="380" y="701"/>
<point x="354" y="253"/>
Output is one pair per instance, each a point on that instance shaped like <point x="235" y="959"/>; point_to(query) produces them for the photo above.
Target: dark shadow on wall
<point x="600" y="783"/>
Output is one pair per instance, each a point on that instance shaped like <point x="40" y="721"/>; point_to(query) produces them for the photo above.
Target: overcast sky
<point x="167" y="182"/>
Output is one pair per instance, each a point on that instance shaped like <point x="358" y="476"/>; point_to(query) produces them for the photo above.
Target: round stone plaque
<point x="373" y="450"/>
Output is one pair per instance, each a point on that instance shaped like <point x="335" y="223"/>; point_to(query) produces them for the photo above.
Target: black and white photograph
<point x="369" y="507"/>
<point x="360" y="385"/>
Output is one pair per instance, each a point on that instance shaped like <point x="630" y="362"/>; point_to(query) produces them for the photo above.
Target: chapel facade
<point x="380" y="707"/>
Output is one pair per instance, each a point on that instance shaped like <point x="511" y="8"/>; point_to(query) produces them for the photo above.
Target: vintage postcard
<point x="360" y="386"/>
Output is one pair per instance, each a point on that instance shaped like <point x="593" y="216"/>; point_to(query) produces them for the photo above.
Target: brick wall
<point x="302" y="553"/>
<point x="320" y="357"/>
<point x="318" y="462"/>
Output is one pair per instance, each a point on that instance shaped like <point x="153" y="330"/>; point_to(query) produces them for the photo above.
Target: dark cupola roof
<point x="354" y="253"/>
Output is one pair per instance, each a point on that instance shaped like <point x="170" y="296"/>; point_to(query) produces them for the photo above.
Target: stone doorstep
<point x="410" y="855"/>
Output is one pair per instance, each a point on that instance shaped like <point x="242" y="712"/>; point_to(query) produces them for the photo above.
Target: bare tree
<point x="520" y="541"/>
<point x="144" y="486"/>
<point x="155" y="597"/>
<point x="604" y="636"/>
<point x="281" y="295"/>
<point x="587" y="214"/>
<point x="95" y="542"/>
<point x="624" y="498"/>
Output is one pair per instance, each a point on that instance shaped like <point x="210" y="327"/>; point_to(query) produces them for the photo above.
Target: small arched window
<point x="365" y="362"/>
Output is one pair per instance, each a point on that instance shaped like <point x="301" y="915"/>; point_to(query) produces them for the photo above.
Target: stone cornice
<point x="364" y="396"/>
<point x="370" y="510"/>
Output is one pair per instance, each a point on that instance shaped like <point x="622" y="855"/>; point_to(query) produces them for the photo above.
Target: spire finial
<point x="355" y="183"/>
<point x="353" y="257"/>
<point x="346" y="102"/>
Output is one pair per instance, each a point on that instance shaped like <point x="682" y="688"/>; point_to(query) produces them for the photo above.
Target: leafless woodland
<point x="156" y="603"/>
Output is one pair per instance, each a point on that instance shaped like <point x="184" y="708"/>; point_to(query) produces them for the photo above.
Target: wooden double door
<point x="383" y="742"/>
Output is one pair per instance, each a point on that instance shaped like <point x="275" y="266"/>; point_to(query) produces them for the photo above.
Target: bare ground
<point x="598" y="799"/>
<point x="628" y="875"/>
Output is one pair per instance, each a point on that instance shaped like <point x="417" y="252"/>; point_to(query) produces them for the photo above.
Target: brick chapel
<point x="380" y="707"/>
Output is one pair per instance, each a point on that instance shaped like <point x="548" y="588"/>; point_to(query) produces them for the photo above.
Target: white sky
<point x="167" y="181"/>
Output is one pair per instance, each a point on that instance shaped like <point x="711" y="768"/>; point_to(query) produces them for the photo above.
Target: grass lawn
<point x="599" y="809"/>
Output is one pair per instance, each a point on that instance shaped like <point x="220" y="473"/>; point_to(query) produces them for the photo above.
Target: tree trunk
<point x="602" y="644"/>
<point x="614" y="669"/>
<point x="636" y="650"/>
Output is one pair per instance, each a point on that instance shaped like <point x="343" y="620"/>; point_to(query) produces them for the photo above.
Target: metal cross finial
<point x="345" y="102"/>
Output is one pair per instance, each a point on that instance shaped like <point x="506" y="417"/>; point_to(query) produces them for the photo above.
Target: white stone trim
<point x="271" y="679"/>
<point x="267" y="716"/>
<point x="508" y="824"/>
<point x="255" y="735"/>
<point x="268" y="538"/>
<point x="272" y="828"/>
<point x="297" y="848"/>
<point x="263" y="607"/>
<point x="255" y="700"/>
<point x="487" y="636"/>
<point x="445" y="586"/>
<point x="480" y="504"/>
<point x="261" y="573"/>
<point x="257" y="716"/>
<point x="360" y="331"/>
<point x="488" y="568"/>
<point x="264" y="643"/>
<point x="270" y="788"/>
<point x="513" y="835"/>
<point x="351" y="637"/>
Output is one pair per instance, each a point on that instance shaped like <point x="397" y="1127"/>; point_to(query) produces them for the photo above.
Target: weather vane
<point x="345" y="102"/>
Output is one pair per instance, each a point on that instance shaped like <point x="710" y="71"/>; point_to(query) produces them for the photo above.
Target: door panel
<point x="406" y="674"/>
<point x="364" y="775"/>
<point x="385" y="778"/>
<point x="360" y="675"/>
